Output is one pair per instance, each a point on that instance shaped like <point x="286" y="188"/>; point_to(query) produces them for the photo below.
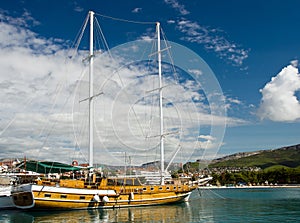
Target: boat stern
<point x="22" y="196"/>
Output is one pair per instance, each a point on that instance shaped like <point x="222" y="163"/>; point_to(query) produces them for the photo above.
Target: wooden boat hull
<point x="51" y="197"/>
<point x="22" y="196"/>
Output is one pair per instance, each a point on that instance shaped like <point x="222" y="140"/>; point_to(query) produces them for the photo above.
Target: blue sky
<point x="252" y="47"/>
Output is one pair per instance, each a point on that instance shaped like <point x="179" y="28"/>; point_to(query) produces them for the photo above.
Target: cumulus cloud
<point x="33" y="93"/>
<point x="279" y="102"/>
<point x="212" y="39"/>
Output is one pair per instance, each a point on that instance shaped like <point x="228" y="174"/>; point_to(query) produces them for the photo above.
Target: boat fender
<point x="105" y="199"/>
<point x="96" y="198"/>
<point x="131" y="197"/>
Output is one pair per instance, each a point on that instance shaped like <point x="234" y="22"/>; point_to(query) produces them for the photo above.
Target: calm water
<point x="214" y="205"/>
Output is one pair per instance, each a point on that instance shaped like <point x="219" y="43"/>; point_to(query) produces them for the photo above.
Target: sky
<point x="238" y="75"/>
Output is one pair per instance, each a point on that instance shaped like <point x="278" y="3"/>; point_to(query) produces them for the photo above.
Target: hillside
<point x="285" y="156"/>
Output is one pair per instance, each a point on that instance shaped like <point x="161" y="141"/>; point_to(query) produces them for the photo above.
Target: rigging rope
<point x="124" y="20"/>
<point x="79" y="36"/>
<point x="169" y="54"/>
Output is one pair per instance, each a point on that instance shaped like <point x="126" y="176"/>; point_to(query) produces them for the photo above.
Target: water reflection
<point x="165" y="213"/>
<point x="13" y="216"/>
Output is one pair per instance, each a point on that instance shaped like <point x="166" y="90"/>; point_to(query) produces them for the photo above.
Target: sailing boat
<point x="106" y="192"/>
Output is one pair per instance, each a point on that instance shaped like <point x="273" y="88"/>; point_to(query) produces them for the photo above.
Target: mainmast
<point x="91" y="91"/>
<point x="162" y="152"/>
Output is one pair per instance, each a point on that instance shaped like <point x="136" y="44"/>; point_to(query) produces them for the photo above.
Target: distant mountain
<point x="286" y="156"/>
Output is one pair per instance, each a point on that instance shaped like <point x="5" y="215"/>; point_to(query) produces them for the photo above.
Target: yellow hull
<point x="41" y="203"/>
<point x="57" y="197"/>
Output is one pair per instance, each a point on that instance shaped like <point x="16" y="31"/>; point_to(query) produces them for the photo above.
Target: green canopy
<point x="47" y="167"/>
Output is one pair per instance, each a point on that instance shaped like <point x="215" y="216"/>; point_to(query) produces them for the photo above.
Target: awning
<point x="47" y="167"/>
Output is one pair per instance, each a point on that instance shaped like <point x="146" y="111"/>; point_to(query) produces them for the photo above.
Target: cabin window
<point x="63" y="196"/>
<point x="160" y="188"/>
<point x="174" y="188"/>
<point x="168" y="188"/>
<point x="145" y="188"/>
<point x="151" y="188"/>
<point x="82" y="197"/>
<point x="111" y="182"/>
<point x="47" y="195"/>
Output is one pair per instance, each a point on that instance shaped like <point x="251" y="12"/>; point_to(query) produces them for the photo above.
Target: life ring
<point x="75" y="163"/>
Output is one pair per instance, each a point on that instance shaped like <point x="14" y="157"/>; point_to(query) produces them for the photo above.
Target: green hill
<point x="283" y="157"/>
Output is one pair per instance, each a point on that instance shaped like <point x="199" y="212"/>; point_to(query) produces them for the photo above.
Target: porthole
<point x="47" y="195"/>
<point x="63" y="196"/>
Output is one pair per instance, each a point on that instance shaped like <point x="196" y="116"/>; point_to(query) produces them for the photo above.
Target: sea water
<point x="205" y="205"/>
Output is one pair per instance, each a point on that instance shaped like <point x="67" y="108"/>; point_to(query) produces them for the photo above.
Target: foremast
<point x="91" y="91"/>
<point x="160" y="87"/>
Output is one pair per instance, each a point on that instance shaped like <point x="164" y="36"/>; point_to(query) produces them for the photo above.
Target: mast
<point x="162" y="152"/>
<point x="91" y="90"/>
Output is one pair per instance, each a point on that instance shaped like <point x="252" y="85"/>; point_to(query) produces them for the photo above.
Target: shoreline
<point x="249" y="187"/>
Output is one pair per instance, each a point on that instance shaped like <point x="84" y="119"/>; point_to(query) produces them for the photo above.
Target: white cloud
<point x="195" y="71"/>
<point x="25" y="20"/>
<point x="77" y="7"/>
<point x="171" y="21"/>
<point x="32" y="81"/>
<point x="206" y="145"/>
<point x="212" y="39"/>
<point x="206" y="137"/>
<point x="136" y="10"/>
<point x="177" y="6"/>
<point x="234" y="100"/>
<point x="279" y="102"/>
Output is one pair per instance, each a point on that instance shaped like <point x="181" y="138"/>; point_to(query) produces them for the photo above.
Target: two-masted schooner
<point x="105" y="192"/>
